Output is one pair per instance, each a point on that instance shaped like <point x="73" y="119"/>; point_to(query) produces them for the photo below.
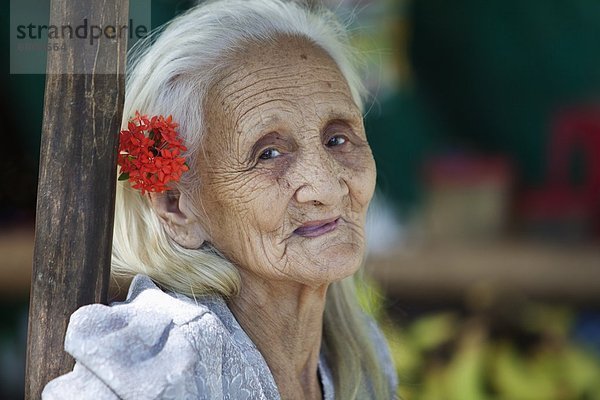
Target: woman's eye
<point x="336" y="141"/>
<point x="269" y="154"/>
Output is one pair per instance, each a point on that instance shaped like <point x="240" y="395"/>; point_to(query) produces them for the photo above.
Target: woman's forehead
<point x="289" y="77"/>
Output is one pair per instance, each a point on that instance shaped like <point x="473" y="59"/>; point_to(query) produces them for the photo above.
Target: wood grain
<point x="443" y="272"/>
<point x="75" y="204"/>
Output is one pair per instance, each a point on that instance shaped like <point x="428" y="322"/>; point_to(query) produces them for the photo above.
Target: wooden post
<point x="82" y="114"/>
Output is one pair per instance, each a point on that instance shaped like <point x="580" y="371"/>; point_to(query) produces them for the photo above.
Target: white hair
<point x="171" y="73"/>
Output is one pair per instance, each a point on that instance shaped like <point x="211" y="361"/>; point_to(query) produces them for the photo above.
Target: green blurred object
<point x="403" y="132"/>
<point x="487" y="77"/>
<point x="480" y="367"/>
<point x="500" y="69"/>
<point x="431" y="331"/>
<point x="465" y="374"/>
<point x="481" y="355"/>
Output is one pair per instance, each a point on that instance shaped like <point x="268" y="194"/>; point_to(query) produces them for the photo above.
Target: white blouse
<point x="159" y="345"/>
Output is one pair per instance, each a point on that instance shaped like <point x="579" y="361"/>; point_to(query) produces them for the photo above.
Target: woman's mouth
<point x="317" y="228"/>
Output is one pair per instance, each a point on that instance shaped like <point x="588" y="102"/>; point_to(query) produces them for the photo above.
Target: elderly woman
<point x="244" y="286"/>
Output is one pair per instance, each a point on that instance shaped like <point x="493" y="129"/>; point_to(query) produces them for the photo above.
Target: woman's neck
<point x="285" y="322"/>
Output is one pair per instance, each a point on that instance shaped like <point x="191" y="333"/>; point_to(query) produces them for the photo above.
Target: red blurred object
<point x="466" y="170"/>
<point x="560" y="200"/>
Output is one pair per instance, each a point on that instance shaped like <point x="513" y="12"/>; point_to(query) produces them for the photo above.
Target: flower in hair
<point x="150" y="153"/>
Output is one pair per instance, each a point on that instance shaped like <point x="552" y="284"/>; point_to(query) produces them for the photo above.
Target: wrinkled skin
<point x="285" y="145"/>
<point x="293" y="99"/>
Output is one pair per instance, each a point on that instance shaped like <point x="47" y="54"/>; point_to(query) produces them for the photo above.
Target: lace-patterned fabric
<point x="159" y="345"/>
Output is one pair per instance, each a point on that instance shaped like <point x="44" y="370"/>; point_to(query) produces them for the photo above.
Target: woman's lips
<point x="317" y="228"/>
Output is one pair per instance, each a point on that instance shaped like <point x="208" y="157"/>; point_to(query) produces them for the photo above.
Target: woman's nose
<point x="322" y="181"/>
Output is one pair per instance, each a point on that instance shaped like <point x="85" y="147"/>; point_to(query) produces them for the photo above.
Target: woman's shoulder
<point x="145" y="320"/>
<point x="146" y="305"/>
<point x="129" y="345"/>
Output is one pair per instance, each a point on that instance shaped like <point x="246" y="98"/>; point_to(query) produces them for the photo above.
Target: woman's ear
<point x="180" y="223"/>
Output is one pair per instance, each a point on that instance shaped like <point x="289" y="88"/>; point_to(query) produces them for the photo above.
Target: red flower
<point x="149" y="153"/>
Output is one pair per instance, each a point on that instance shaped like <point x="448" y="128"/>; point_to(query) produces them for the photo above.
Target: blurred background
<point x="484" y="235"/>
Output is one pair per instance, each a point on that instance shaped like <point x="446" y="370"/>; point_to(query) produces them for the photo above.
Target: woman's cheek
<point x="359" y="160"/>
<point x="278" y="168"/>
<point x="270" y="189"/>
<point x="359" y="167"/>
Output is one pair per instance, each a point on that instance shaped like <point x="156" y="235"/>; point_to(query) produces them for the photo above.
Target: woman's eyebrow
<point x="249" y="134"/>
<point x="349" y="113"/>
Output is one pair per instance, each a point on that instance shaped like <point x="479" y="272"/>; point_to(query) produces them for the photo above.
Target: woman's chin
<point x="335" y="262"/>
<point x="333" y="256"/>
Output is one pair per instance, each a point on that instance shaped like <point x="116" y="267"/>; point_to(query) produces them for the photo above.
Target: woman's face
<point x="286" y="170"/>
